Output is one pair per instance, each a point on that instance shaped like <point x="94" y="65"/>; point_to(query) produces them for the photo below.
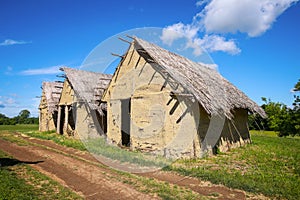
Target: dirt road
<point x="81" y="172"/>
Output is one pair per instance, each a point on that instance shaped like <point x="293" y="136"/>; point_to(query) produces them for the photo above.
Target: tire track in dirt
<point x="202" y="187"/>
<point x="84" y="178"/>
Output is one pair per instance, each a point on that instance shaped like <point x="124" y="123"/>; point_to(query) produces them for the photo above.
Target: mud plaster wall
<point x="81" y="114"/>
<point x="85" y="127"/>
<point x="158" y="123"/>
<point x="46" y="121"/>
<point x="67" y="94"/>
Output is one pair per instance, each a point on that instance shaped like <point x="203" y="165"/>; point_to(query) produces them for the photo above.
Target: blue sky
<point x="255" y="43"/>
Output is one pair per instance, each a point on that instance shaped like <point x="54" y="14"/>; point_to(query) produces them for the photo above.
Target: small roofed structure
<point x="166" y="104"/>
<point x="81" y="112"/>
<point x="48" y="107"/>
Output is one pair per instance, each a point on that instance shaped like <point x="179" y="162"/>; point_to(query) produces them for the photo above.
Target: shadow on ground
<point x="5" y="162"/>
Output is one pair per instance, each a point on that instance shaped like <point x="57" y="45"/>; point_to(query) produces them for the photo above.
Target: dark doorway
<point x="62" y="120"/>
<point x="71" y="120"/>
<point x="125" y="121"/>
<point x="54" y="116"/>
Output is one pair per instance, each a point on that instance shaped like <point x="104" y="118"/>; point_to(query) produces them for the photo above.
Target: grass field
<point x="269" y="166"/>
<point x="59" y="139"/>
<point x="25" y="189"/>
<point x="20" y="127"/>
<point x="20" y="181"/>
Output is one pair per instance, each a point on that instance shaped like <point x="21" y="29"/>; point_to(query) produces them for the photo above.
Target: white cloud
<point x="10" y="101"/>
<point x="177" y="31"/>
<point x="7" y="102"/>
<point x="9" y="42"/>
<point x="2" y="104"/>
<point x="211" y="43"/>
<point x="214" y="43"/>
<point x="42" y="71"/>
<point x="202" y="2"/>
<point x="253" y="17"/>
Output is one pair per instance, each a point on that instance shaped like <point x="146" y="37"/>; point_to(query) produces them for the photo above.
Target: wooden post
<point x="58" y="120"/>
<point x="66" y="122"/>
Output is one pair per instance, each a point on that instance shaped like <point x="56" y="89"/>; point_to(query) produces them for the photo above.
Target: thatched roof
<point x="52" y="91"/>
<point x="88" y="86"/>
<point x="216" y="94"/>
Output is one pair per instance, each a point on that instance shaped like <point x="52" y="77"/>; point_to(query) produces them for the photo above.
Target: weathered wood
<point x="48" y="105"/>
<point x="117" y="55"/>
<point x="172" y="94"/>
<point x="124" y="40"/>
<point x="130" y="37"/>
<point x="58" y="120"/>
<point x="66" y="122"/>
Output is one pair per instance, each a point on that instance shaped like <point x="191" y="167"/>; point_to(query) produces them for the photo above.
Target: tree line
<point x="281" y="118"/>
<point x="22" y="118"/>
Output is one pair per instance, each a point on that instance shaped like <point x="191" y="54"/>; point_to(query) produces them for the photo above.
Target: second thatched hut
<point x="48" y="107"/>
<point x="81" y="112"/>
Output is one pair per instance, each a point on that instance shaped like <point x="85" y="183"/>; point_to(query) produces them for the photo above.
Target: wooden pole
<point x="58" y="120"/>
<point x="66" y="120"/>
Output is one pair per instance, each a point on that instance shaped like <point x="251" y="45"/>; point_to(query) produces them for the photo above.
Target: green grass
<point x="59" y="139"/>
<point x="100" y="147"/>
<point x="97" y="146"/>
<point x="20" y="127"/>
<point x="269" y="166"/>
<point x="163" y="189"/>
<point x="142" y="184"/>
<point x="22" y="182"/>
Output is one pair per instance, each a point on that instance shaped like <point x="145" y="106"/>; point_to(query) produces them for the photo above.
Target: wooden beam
<point x="58" y="120"/>
<point x="124" y="40"/>
<point x="150" y="60"/>
<point x="114" y="54"/>
<point x="142" y="51"/>
<point x="130" y="37"/>
<point x="181" y="94"/>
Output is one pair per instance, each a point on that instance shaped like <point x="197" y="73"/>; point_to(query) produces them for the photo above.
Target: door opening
<point x="125" y="121"/>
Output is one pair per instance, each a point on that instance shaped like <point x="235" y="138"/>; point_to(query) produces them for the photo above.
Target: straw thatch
<point x="88" y="86"/>
<point x="52" y="92"/>
<point x="216" y="94"/>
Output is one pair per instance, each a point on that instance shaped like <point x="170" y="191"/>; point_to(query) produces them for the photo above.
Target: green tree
<point x="23" y="116"/>
<point x="282" y="119"/>
<point x="4" y="120"/>
<point x="279" y="117"/>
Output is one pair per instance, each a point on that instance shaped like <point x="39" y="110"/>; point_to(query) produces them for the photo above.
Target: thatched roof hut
<point x="157" y="99"/>
<point x="88" y="86"/>
<point x="82" y="94"/>
<point x="48" y="105"/>
<point x="206" y="84"/>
